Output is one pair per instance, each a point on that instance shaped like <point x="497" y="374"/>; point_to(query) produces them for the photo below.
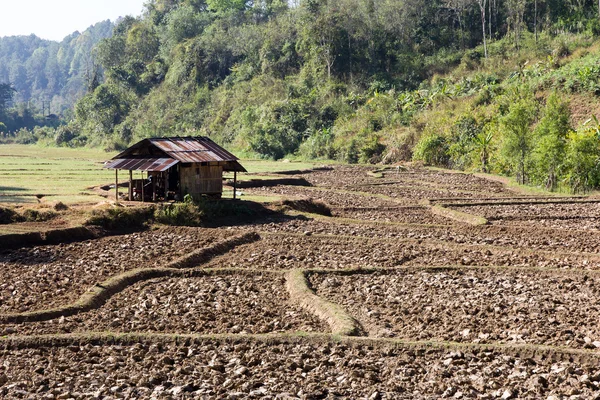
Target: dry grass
<point x="341" y="323"/>
<point x="458" y="216"/>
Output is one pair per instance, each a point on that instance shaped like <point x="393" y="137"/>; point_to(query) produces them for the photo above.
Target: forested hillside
<point x="505" y="86"/>
<point x="48" y="76"/>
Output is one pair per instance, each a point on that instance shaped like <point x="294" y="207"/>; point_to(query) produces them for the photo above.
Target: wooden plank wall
<point x="198" y="179"/>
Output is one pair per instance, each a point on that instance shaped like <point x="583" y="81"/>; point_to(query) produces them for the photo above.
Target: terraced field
<point x="422" y="284"/>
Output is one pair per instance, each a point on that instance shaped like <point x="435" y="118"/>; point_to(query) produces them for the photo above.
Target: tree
<point x="482" y="4"/>
<point x="551" y="138"/>
<point x="458" y="7"/>
<point x="516" y="11"/>
<point x="517" y="135"/>
<point x="226" y="5"/>
<point x="7" y="93"/>
<point x="583" y="160"/>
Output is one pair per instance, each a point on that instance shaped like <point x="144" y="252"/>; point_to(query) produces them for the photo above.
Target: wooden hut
<point x="175" y="167"/>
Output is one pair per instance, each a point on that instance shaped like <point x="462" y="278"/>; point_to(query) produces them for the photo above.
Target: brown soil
<point x="480" y="306"/>
<point x="407" y="215"/>
<point x="301" y="370"/>
<point x="583" y="216"/>
<point x="219" y="304"/>
<point x="49" y="276"/>
<point x="525" y="238"/>
<point x="330" y="252"/>
<point x="536" y="285"/>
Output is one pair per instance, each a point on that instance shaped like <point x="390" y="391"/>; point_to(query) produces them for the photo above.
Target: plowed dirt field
<point x="384" y="299"/>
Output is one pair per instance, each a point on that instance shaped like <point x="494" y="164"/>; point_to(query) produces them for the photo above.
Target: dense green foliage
<point x="48" y="77"/>
<point x="465" y="84"/>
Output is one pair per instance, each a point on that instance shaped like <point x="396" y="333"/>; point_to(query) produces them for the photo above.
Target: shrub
<point x="121" y="218"/>
<point x="212" y="209"/>
<point x="60" y="206"/>
<point x="31" y="215"/>
<point x="25" y="136"/>
<point x="319" y="145"/>
<point x="9" y="216"/>
<point x="372" y="150"/>
<point x="195" y="212"/>
<point x="179" y="214"/>
<point x="432" y="150"/>
<point x="64" y="134"/>
<point x="583" y="161"/>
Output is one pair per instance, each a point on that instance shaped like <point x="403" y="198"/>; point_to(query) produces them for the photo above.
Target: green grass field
<point x="29" y="172"/>
<point x="57" y="174"/>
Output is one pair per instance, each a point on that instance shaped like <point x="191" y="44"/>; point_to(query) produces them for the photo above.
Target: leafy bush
<point x="517" y="139"/>
<point x="213" y="209"/>
<point x="196" y="212"/>
<point x="371" y="150"/>
<point x="550" y="144"/>
<point x="121" y="218"/>
<point x="25" y="136"/>
<point x="178" y="214"/>
<point x="64" y="135"/>
<point x="319" y="145"/>
<point x="464" y="133"/>
<point x="432" y="150"/>
<point x="583" y="161"/>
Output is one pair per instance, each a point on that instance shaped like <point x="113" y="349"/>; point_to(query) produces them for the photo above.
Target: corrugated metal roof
<point x="183" y="149"/>
<point x="193" y="149"/>
<point x="141" y="164"/>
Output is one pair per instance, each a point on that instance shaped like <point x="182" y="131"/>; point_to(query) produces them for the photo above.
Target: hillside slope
<point x="51" y="75"/>
<point x="500" y="87"/>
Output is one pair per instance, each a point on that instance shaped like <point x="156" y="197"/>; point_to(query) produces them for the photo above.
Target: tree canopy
<point x="354" y="80"/>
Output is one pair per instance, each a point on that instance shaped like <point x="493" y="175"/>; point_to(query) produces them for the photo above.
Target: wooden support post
<point x="143" y="187"/>
<point x="130" y="185"/>
<point x="153" y="186"/>
<point x="234" y="183"/>
<point x="166" y="185"/>
<point x="117" y="185"/>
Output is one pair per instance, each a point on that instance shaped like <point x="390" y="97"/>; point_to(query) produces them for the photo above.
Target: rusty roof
<point x="141" y="164"/>
<point x="195" y="149"/>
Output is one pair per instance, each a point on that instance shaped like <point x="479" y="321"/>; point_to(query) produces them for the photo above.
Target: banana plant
<point x="483" y="142"/>
<point x="595" y="126"/>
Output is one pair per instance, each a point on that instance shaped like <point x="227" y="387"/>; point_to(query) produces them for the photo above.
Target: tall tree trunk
<point x="490" y="19"/>
<point x="482" y="4"/>
<point x="535" y="15"/>
<point x="496" y="17"/>
<point x="460" y="28"/>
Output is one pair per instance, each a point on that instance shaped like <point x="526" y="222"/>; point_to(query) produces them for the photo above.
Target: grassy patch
<point x="459" y="216"/>
<point x="61" y="173"/>
<point x="512" y="184"/>
<point x="337" y="318"/>
<point x="32" y="215"/>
